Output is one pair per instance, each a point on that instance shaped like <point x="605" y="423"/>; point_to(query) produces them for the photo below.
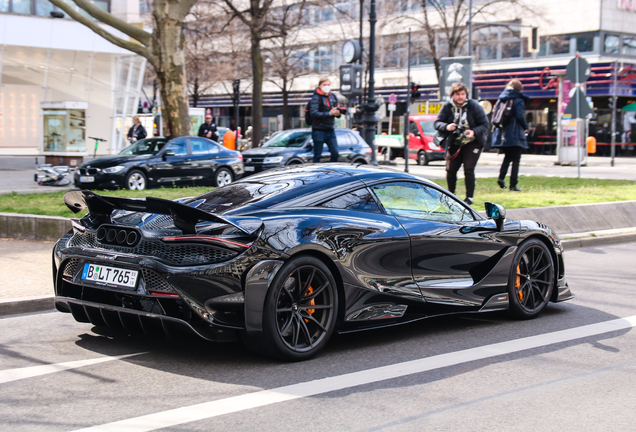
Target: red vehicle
<point x="421" y="146"/>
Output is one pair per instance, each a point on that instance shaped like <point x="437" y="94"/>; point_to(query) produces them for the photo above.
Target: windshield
<point x="144" y="147"/>
<point x="288" y="139"/>
<point x="428" y="127"/>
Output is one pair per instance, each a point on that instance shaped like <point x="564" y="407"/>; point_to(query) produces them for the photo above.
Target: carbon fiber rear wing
<point x="185" y="217"/>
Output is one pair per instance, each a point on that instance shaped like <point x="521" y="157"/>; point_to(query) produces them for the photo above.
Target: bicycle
<point x="49" y="175"/>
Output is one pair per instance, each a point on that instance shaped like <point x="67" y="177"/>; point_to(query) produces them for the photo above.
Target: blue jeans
<point x="322" y="137"/>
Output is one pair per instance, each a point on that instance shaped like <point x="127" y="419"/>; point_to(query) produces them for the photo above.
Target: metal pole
<point x="578" y="117"/>
<point x="371" y="107"/>
<point x="614" y="116"/>
<point x="408" y="107"/>
<point x="361" y="32"/>
<point x="361" y="61"/>
<point x="470" y="28"/>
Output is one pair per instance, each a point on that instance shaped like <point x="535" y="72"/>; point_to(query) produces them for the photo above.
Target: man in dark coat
<point x="511" y="139"/>
<point x="208" y="129"/>
<point x="323" y="109"/>
<point x="465" y="123"/>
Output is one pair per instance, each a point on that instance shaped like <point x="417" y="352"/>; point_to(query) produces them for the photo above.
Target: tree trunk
<point x="195" y="92"/>
<point x="257" y="91"/>
<point x="286" y="118"/>
<point x="169" y="55"/>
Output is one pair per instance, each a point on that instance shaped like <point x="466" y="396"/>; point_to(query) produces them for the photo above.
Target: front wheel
<point x="531" y="280"/>
<point x="136" y="180"/>
<point x="422" y="158"/>
<point x="300" y="310"/>
<point x="222" y="177"/>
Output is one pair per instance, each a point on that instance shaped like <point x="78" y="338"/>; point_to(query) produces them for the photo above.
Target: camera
<point x="458" y="131"/>
<point x="342" y="110"/>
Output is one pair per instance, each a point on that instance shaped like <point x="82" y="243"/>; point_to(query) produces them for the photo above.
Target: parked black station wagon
<point x="182" y="161"/>
<point x="295" y="147"/>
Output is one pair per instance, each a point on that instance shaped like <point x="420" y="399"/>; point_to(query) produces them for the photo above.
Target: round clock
<point x="351" y="51"/>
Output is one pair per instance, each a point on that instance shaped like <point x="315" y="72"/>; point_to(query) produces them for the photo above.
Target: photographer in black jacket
<point x="208" y="129"/>
<point x="465" y="123"/>
<point x="323" y="110"/>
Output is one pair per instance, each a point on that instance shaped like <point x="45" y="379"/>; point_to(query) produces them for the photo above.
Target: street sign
<point x="351" y="80"/>
<point x="454" y="69"/>
<point x="392" y="98"/>
<point x="578" y="99"/>
<point x="391" y="107"/>
<point x="578" y="70"/>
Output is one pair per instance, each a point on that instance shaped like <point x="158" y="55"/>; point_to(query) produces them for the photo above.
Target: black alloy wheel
<point x="531" y="280"/>
<point x="300" y="310"/>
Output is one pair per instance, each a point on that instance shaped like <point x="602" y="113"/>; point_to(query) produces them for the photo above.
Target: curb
<point x="41" y="304"/>
<point x="22" y="306"/>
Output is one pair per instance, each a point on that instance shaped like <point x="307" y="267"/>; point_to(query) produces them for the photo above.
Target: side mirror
<point x="496" y="212"/>
<point x="310" y="147"/>
<point x="167" y="153"/>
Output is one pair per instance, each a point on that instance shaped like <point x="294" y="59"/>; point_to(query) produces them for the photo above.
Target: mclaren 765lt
<point x="282" y="259"/>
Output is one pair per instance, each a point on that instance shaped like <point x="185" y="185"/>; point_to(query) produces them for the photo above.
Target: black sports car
<point x="182" y="161"/>
<point x="285" y="258"/>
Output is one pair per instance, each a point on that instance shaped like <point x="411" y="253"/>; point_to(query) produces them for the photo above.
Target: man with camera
<point x="465" y="125"/>
<point x="208" y="129"/>
<point x="323" y="110"/>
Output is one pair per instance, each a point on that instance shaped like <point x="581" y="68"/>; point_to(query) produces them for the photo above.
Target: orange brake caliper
<point x="312" y="302"/>
<point x="518" y="284"/>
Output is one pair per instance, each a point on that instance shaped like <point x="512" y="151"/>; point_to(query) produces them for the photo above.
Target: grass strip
<point x="537" y="192"/>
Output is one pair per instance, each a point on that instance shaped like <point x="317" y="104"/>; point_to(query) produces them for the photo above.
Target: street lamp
<point x="371" y="106"/>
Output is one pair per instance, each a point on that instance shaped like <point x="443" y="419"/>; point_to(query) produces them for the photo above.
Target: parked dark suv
<point x="295" y="146"/>
<point x="182" y="161"/>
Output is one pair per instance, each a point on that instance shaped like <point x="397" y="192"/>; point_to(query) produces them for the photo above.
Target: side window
<point x="343" y="139"/>
<point x="178" y="147"/>
<point x="420" y="202"/>
<point x="360" y="200"/>
<point x="413" y="129"/>
<point x="214" y="148"/>
<point x="199" y="147"/>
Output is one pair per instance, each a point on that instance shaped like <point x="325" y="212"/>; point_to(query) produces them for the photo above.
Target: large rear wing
<point x="185" y="217"/>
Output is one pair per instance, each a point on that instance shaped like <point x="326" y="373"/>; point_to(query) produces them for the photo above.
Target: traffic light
<point x="533" y="40"/>
<point x="236" y="95"/>
<point x="415" y="92"/>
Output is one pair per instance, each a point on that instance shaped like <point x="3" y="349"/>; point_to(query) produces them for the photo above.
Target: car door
<point x="451" y="248"/>
<point x="173" y="168"/>
<point x="345" y="146"/>
<point x="204" y="159"/>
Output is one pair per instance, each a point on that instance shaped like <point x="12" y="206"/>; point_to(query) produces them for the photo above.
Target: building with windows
<point x="601" y="31"/>
<point x="61" y="84"/>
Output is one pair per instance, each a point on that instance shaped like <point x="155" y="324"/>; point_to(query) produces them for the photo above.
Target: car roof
<point x="296" y="186"/>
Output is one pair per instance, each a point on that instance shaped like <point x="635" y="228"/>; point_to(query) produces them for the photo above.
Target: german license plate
<point x="109" y="276"/>
<point x="249" y="168"/>
<point x="87" y="179"/>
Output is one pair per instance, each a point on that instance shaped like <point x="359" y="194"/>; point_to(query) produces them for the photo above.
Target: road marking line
<point x="244" y="402"/>
<point x="33" y="371"/>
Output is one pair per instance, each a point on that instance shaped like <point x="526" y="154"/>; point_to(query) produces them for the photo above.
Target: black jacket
<point x="140" y="131"/>
<point x="319" y="108"/>
<point x="514" y="134"/>
<point x="475" y="116"/>
<point x="205" y="128"/>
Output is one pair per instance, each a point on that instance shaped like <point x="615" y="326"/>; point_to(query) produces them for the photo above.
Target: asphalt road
<point x="572" y="369"/>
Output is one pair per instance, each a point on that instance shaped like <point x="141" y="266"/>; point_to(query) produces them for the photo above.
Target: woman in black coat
<point x="511" y="139"/>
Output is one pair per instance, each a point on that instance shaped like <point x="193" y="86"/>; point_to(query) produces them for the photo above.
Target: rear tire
<point x="531" y="280"/>
<point x="222" y="177"/>
<point x="300" y="310"/>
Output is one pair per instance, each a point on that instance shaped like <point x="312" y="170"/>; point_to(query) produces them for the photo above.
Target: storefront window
<point x="64" y="130"/>
<point x="4" y="5"/>
<point x="560" y="45"/>
<point x="585" y="42"/>
<point x="629" y="45"/>
<point x="43" y="7"/>
<point x="611" y="44"/>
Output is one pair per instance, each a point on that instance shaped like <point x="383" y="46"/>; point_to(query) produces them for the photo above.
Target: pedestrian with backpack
<point x="322" y="112"/>
<point x="463" y="124"/>
<point x="509" y="131"/>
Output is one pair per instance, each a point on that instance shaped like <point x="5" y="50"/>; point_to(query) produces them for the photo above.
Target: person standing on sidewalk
<point x="208" y="129"/>
<point x="465" y="124"/>
<point x="511" y="139"/>
<point x="323" y="110"/>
